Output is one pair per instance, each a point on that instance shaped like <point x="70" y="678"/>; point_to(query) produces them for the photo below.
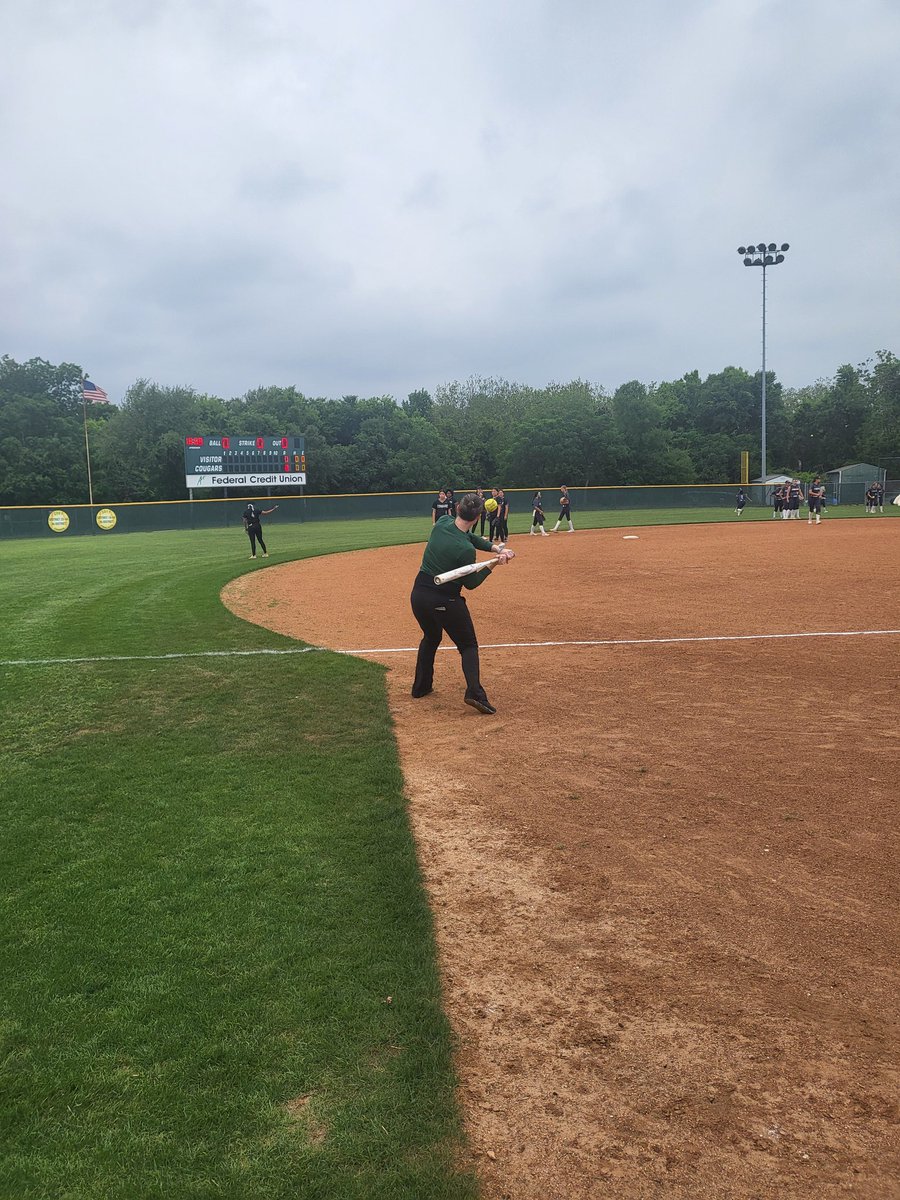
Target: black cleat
<point x="483" y="706"/>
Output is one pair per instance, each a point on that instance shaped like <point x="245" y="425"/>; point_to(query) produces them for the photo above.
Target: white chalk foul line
<point x="101" y="658"/>
<point x="728" y="637"/>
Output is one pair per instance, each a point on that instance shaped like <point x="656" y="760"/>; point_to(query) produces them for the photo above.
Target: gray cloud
<point x="372" y="199"/>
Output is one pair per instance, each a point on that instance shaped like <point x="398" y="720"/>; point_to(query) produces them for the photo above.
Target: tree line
<point x="482" y="431"/>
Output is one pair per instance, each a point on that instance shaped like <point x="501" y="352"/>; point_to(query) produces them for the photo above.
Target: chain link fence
<point x="66" y="520"/>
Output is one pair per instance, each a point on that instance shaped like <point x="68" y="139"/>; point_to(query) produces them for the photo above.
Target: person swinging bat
<point x="440" y="608"/>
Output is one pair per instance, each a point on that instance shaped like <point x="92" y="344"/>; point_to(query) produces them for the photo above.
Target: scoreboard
<point x="215" y="462"/>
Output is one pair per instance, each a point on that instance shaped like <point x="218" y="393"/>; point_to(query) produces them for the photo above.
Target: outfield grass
<point x="219" y="974"/>
<point x="218" y="966"/>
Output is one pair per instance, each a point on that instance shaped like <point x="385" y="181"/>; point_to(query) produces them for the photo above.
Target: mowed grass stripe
<point x="219" y="973"/>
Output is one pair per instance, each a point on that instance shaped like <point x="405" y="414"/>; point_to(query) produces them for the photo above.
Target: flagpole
<point x="87" y="453"/>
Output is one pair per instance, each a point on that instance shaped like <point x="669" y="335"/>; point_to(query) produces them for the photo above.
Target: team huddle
<point x="788" y="496"/>
<point x="875" y="498"/>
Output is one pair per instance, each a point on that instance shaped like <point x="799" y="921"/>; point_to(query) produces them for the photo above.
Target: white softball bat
<point x="458" y="572"/>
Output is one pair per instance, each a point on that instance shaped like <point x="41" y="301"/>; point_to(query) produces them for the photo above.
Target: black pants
<point x="502" y="530"/>
<point x="254" y="533"/>
<point x="439" y="610"/>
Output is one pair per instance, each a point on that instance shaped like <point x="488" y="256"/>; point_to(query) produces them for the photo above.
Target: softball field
<point x="664" y="876"/>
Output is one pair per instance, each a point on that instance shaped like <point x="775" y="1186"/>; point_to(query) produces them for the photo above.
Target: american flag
<point x="91" y="392"/>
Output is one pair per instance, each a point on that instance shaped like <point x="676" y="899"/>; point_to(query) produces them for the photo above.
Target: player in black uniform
<point x="870" y="498"/>
<point x="537" y="515"/>
<point x="777" y="501"/>
<point x="440" y="608"/>
<point x="494" y="515"/>
<point x="878" y="489"/>
<point x="253" y="524"/>
<point x="479" y="492"/>
<point x="815" y="497"/>
<point x="502" y="517"/>
<point x="740" y="501"/>
<point x="565" y="510"/>
<point x="440" y="508"/>
<point x="794" y="500"/>
<point x="451" y="500"/>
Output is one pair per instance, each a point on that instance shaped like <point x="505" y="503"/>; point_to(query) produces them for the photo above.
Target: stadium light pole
<point x="763" y="255"/>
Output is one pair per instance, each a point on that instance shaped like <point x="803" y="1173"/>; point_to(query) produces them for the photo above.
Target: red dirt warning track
<point x="667" y="902"/>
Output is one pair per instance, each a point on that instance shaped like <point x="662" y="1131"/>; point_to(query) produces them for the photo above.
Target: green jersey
<point x="449" y="547"/>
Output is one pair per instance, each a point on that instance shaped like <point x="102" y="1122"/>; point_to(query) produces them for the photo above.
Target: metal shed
<point x="847" y="485"/>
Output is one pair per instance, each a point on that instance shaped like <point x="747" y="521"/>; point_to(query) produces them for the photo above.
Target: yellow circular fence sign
<point x="106" y="518"/>
<point x="58" y="520"/>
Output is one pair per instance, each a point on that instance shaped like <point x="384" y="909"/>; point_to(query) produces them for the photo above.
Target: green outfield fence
<point x="64" y="520"/>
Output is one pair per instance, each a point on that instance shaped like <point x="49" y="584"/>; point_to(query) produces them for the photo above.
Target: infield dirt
<point x="664" y="876"/>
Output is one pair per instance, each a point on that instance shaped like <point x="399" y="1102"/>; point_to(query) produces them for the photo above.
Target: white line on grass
<point x="101" y="658"/>
<point x="736" y="637"/>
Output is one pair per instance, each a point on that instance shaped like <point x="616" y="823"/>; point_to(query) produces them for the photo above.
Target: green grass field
<point x="210" y="894"/>
<point x="219" y="975"/>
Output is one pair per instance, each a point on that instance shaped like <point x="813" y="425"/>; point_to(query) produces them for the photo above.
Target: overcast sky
<point x="375" y="196"/>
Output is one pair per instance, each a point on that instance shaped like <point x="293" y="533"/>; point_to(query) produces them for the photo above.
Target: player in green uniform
<point x="441" y="608"/>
